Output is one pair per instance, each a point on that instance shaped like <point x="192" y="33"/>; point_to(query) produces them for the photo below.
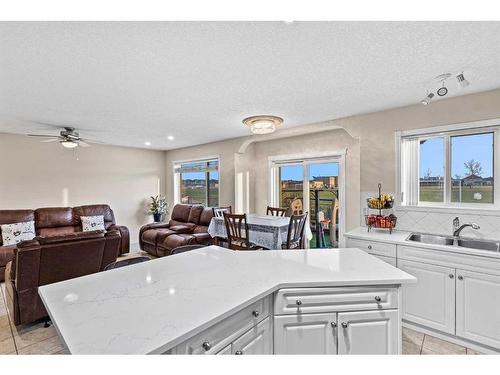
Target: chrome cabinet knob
<point x="345" y="324"/>
<point x="206" y="345"/>
<point x="238" y="352"/>
<point x="298" y="302"/>
<point x="460" y="277"/>
<point x="451" y="276"/>
<point x="369" y="247"/>
<point x="378" y="299"/>
<point x="333" y="324"/>
<point x="256" y="313"/>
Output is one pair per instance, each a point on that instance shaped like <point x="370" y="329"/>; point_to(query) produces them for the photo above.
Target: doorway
<point x="312" y="185"/>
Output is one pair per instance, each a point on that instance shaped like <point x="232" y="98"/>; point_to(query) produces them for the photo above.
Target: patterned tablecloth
<point x="264" y="230"/>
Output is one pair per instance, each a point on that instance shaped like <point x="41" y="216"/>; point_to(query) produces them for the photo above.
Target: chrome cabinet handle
<point x="460" y="277"/>
<point x="345" y="324"/>
<point x="369" y="247"/>
<point x="238" y="352"/>
<point x="333" y="324"/>
<point x="451" y="276"/>
<point x="256" y="313"/>
<point x="206" y="345"/>
<point x="298" y="302"/>
<point x="378" y="299"/>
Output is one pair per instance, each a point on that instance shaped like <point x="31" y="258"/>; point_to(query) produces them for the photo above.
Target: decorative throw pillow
<point x="90" y="223"/>
<point x="17" y="232"/>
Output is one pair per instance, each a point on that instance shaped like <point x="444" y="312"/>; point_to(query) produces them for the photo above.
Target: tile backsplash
<point x="441" y="222"/>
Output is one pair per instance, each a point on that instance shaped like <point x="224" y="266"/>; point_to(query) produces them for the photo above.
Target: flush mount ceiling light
<point x="147" y="143"/>
<point x="427" y="99"/>
<point x="170" y="137"/>
<point x="263" y="124"/>
<point x="69" y="144"/>
<point x="462" y="81"/>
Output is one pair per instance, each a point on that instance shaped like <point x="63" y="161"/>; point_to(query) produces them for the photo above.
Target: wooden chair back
<point x="219" y="211"/>
<point x="276" y="211"/>
<point x="237" y="231"/>
<point x="295" y="234"/>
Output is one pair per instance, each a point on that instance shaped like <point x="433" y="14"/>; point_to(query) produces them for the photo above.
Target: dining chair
<point x="126" y="262"/>
<point x="183" y="249"/>
<point x="295" y="236"/>
<point x="237" y="232"/>
<point x="219" y="211"/>
<point x="276" y="211"/>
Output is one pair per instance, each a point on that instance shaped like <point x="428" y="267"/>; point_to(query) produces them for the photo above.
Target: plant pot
<point x="158" y="218"/>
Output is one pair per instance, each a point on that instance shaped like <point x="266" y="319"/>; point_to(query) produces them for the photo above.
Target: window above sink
<point x="453" y="166"/>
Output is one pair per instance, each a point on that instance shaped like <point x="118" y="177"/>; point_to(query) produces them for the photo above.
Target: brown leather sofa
<point x="52" y="221"/>
<point x="47" y="260"/>
<point x="188" y="225"/>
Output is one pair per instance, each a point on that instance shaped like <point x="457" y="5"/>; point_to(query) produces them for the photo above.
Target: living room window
<point x="197" y="182"/>
<point x="449" y="168"/>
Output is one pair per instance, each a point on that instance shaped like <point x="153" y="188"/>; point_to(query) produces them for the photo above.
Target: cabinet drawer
<point x="217" y="337"/>
<point x="391" y="261"/>
<point x="373" y="247"/>
<point x="312" y="300"/>
<point x="258" y="340"/>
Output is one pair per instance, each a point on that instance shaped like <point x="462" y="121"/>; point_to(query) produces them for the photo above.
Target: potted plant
<point x="158" y="207"/>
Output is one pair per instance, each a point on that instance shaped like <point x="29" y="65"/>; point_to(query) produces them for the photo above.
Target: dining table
<point x="267" y="231"/>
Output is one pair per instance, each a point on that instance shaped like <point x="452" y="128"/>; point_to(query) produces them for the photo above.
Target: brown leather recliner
<point x="52" y="221"/>
<point x="47" y="260"/>
<point x="188" y="225"/>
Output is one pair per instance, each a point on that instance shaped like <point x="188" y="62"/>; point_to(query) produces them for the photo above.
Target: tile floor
<point x="35" y="339"/>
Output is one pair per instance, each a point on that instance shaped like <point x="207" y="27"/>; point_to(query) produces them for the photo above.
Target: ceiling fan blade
<point x="50" y="140"/>
<point x="43" y="135"/>
<point x="91" y="141"/>
<point x="83" y="144"/>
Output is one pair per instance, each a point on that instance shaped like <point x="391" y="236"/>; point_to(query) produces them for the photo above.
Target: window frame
<point x="177" y="177"/>
<point x="447" y="132"/>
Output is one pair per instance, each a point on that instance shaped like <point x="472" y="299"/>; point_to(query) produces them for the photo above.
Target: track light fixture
<point x="427" y="99"/>
<point x="443" y="90"/>
<point x="462" y="81"/>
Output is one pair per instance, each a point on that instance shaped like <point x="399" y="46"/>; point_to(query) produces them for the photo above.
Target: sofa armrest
<point x="26" y="265"/>
<point x="125" y="237"/>
<point x="111" y="248"/>
<point x="148" y="227"/>
<point x="203" y="238"/>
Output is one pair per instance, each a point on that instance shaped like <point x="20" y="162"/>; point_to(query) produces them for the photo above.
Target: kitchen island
<point x="217" y="301"/>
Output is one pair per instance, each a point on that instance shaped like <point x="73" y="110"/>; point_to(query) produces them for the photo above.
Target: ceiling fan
<point x="68" y="138"/>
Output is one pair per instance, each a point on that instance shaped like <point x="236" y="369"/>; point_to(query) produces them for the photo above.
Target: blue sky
<point x="295" y="172"/>
<point x="477" y="147"/>
<point x="199" y="175"/>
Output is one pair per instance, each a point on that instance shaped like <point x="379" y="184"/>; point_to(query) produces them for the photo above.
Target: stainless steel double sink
<point x="434" y="239"/>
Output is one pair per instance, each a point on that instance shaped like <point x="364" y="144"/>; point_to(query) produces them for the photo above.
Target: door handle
<point x="345" y="324"/>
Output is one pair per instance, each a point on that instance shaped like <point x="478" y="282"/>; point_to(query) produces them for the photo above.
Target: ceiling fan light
<point x="263" y="124"/>
<point x="462" y="81"/>
<point x="69" y="144"/>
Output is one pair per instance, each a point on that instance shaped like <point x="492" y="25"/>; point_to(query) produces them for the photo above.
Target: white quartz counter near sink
<point x="151" y="307"/>
<point x="399" y="237"/>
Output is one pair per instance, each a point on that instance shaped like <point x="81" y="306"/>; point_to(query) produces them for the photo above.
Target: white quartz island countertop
<point x="150" y="307"/>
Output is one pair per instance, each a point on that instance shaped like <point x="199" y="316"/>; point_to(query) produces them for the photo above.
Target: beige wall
<point x="38" y="174"/>
<point x="371" y="144"/>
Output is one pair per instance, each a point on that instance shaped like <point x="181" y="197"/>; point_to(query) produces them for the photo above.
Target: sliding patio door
<point x="313" y="186"/>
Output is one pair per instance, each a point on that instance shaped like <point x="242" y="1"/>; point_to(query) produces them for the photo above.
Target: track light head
<point x="462" y="81"/>
<point x="427" y="99"/>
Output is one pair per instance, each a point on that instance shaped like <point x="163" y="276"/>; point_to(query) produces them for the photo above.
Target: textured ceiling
<point x="126" y="83"/>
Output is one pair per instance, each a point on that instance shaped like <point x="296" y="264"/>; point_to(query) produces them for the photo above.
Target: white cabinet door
<point x="478" y="307"/>
<point x="305" y="334"/>
<point x="368" y="332"/>
<point x="431" y="301"/>
<point x="258" y="340"/>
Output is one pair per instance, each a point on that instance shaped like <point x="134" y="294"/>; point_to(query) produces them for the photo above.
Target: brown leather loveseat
<point x="188" y="225"/>
<point x="47" y="260"/>
<point x="51" y="221"/>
